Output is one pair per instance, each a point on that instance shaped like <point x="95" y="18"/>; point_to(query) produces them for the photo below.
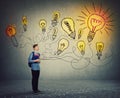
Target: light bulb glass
<point x="99" y="46"/>
<point x="42" y="23"/>
<point x="56" y="16"/>
<point x="95" y="22"/>
<point x="68" y="26"/>
<point x="11" y="32"/>
<point x="62" y="45"/>
<point x="81" y="46"/>
<point x="24" y="20"/>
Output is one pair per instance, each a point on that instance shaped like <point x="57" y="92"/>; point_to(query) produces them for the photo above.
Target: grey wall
<point x="70" y="64"/>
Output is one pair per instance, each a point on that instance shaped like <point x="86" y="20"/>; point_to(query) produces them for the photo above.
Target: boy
<point x="34" y="59"/>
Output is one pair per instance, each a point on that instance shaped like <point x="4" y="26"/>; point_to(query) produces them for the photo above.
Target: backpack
<point x="29" y="63"/>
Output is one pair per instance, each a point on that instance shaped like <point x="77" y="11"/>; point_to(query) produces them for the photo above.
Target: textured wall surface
<point x="70" y="64"/>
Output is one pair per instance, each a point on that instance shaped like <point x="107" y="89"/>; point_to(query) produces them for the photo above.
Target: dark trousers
<point x="35" y="78"/>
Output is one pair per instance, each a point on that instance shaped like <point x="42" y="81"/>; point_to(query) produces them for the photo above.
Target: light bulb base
<point x="90" y="36"/>
<point x="59" y="52"/>
<point x="43" y="30"/>
<point x="79" y="36"/>
<point x="14" y="41"/>
<point x="25" y="27"/>
<point x="54" y="23"/>
<point x="82" y="52"/>
<point x="99" y="54"/>
<point x="72" y="35"/>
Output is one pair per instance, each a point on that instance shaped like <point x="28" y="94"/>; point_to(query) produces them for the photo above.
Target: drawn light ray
<point x="84" y="13"/>
<point x="81" y="17"/>
<point x="87" y="10"/>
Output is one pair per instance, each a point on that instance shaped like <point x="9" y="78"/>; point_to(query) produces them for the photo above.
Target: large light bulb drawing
<point x="99" y="48"/>
<point x="95" y="23"/>
<point x="43" y="25"/>
<point x="81" y="47"/>
<point x="11" y="32"/>
<point x="97" y="19"/>
<point x="24" y="22"/>
<point x="68" y="26"/>
<point x="62" y="45"/>
<point x="56" y="16"/>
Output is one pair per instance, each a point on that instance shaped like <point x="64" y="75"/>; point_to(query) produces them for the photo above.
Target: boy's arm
<point x="30" y="58"/>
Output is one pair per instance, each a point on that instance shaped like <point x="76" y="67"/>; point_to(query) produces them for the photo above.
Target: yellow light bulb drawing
<point x="62" y="45"/>
<point x="56" y="16"/>
<point x="79" y="33"/>
<point x="95" y="23"/>
<point x="99" y="48"/>
<point x="24" y="22"/>
<point x="81" y="47"/>
<point x="54" y="35"/>
<point x="68" y="26"/>
<point x="43" y="25"/>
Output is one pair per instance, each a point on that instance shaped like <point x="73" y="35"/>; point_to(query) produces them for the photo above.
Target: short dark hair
<point x="35" y="45"/>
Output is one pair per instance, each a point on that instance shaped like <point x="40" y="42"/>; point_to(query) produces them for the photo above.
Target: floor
<point x="61" y="89"/>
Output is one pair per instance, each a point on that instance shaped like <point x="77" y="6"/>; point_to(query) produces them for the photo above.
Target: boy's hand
<point x="37" y="60"/>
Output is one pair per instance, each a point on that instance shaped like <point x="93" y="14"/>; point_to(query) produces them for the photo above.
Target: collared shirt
<point x="34" y="65"/>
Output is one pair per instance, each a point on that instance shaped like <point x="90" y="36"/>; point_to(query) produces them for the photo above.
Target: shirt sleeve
<point x="30" y="58"/>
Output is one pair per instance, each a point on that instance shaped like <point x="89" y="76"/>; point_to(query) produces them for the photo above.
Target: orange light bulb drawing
<point x="95" y="23"/>
<point x="96" y="19"/>
<point x="99" y="48"/>
<point x="11" y="32"/>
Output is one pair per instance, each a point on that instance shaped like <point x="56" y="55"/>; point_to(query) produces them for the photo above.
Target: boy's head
<point x="35" y="47"/>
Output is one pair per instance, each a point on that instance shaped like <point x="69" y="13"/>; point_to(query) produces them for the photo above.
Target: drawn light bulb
<point x="68" y="26"/>
<point x="11" y="32"/>
<point x="95" y="23"/>
<point x="62" y="45"/>
<point x="81" y="47"/>
<point x="43" y="25"/>
<point x="99" y="48"/>
<point x="56" y="16"/>
<point x="79" y="33"/>
<point x="54" y="35"/>
<point x="24" y="22"/>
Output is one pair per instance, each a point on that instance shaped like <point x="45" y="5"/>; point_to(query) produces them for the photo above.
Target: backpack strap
<point x="33" y="55"/>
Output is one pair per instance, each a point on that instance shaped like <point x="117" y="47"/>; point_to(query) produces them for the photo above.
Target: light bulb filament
<point x="68" y="25"/>
<point x="95" y="22"/>
<point x="62" y="45"/>
<point x="56" y="17"/>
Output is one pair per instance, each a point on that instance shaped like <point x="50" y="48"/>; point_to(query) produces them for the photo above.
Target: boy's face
<point x="36" y="48"/>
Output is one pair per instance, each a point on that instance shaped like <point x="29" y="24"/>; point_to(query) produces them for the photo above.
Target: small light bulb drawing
<point x="54" y="35"/>
<point x="43" y="25"/>
<point x="62" y="45"/>
<point x="79" y="33"/>
<point x="81" y="47"/>
<point x="56" y="16"/>
<point x="11" y="32"/>
<point x="68" y="26"/>
<point x="99" y="48"/>
<point x="95" y="23"/>
<point x="24" y="22"/>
